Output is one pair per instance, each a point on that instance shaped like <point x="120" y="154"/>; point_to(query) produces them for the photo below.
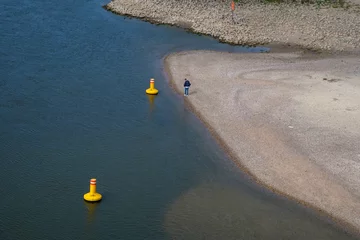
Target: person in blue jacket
<point x="187" y="85"/>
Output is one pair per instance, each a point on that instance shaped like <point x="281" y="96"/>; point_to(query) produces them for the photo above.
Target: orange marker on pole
<point x="232" y="10"/>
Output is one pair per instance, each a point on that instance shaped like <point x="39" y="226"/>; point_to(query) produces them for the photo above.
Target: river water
<point x="73" y="107"/>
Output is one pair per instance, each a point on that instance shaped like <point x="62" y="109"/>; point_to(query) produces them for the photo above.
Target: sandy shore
<point x="292" y="121"/>
<point x="255" y="23"/>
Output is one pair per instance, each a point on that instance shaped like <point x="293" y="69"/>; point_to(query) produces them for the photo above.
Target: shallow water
<point x="73" y="107"/>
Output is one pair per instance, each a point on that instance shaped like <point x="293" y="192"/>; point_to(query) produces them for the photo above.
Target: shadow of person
<point x="192" y="92"/>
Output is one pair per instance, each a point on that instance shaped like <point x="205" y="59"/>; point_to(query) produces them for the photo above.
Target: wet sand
<point x="292" y="121"/>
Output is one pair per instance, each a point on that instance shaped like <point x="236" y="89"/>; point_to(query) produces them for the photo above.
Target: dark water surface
<point x="73" y="107"/>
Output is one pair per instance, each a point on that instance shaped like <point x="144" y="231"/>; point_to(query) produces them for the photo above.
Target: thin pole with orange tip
<point x="232" y="10"/>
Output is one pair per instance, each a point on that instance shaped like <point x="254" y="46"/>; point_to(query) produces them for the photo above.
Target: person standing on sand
<point x="187" y="85"/>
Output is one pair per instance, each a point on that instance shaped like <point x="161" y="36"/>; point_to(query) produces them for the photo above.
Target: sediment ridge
<point x="255" y="23"/>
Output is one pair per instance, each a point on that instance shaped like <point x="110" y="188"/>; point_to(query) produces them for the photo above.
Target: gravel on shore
<point x="256" y="23"/>
<point x="291" y="121"/>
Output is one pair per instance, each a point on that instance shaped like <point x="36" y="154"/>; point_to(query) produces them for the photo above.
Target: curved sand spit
<point x="291" y="120"/>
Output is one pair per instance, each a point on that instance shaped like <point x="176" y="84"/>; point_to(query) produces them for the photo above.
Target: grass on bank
<point x="318" y="3"/>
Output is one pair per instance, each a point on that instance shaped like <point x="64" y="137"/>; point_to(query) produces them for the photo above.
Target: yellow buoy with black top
<point x="152" y="90"/>
<point x="92" y="196"/>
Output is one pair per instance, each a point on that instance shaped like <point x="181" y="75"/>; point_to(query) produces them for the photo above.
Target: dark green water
<point x="73" y="107"/>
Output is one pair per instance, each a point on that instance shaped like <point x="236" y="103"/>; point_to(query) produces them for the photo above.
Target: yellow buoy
<point x="152" y="90"/>
<point x="92" y="196"/>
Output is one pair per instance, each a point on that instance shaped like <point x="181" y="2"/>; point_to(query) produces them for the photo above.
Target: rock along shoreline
<point x="256" y="23"/>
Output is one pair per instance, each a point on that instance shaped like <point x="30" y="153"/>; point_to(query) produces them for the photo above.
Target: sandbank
<point x="292" y="121"/>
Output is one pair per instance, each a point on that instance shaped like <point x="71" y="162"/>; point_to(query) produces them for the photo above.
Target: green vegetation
<point x="333" y="3"/>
